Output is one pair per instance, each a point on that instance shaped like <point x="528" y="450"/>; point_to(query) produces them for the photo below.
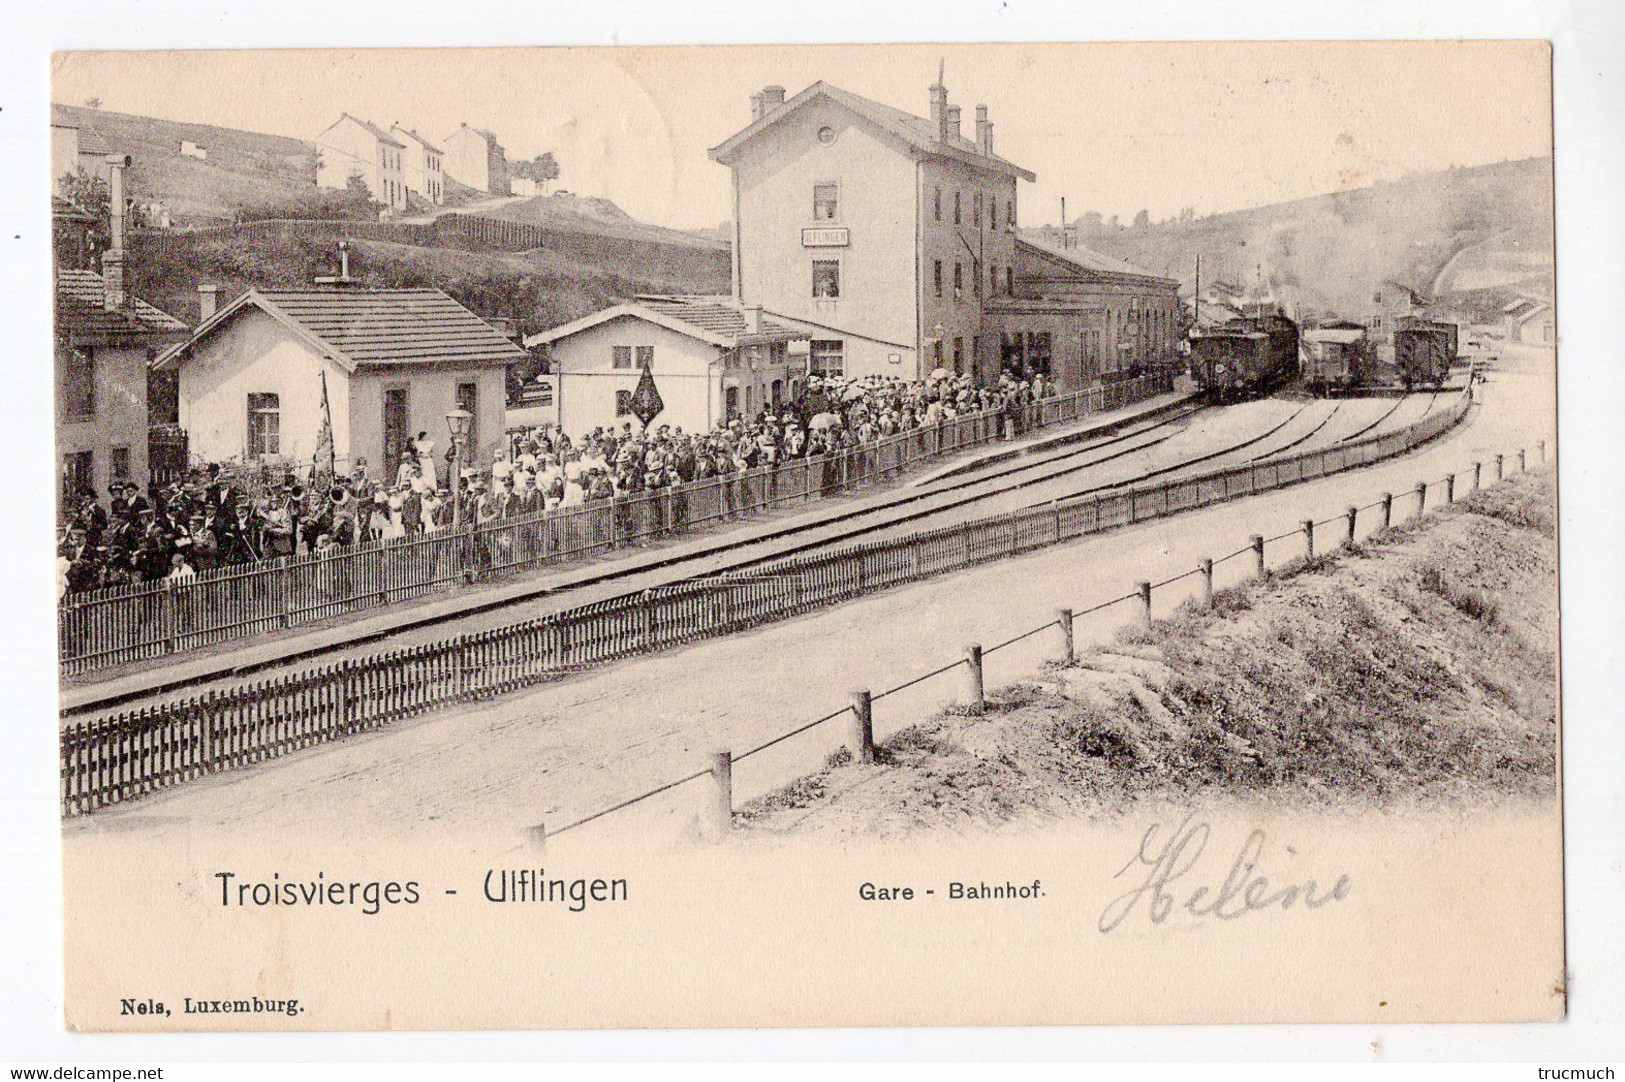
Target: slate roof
<point x="359" y="327"/>
<point x="1085" y="260"/>
<point x="917" y="131"/>
<point x="81" y="314"/>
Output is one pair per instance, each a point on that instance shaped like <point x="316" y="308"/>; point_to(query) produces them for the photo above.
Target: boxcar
<point x="1422" y="354"/>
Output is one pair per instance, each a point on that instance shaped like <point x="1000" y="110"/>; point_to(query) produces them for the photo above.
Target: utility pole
<point x="1196" y="317"/>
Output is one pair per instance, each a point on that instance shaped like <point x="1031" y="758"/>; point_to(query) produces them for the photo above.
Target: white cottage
<point x="395" y="362"/>
<point x="711" y="359"/>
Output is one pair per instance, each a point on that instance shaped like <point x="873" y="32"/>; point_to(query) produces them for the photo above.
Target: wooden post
<point x="1499" y="472"/>
<point x="1260" y="572"/>
<point x="1309" y="538"/>
<point x="978" y="690"/>
<point x="1421" y="497"/>
<point x="863" y="727"/>
<point x="1145" y="603"/>
<point x="1207" y="582"/>
<point x="1063" y="620"/>
<point x="1542" y="445"/>
<point x="718" y="816"/>
<point x="1450" y="488"/>
<point x="1387" y="509"/>
<point x="1353" y="514"/>
<point x="1478" y="468"/>
<point x="1522" y="466"/>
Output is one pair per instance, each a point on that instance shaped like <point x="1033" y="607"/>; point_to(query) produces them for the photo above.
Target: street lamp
<point x="459" y="421"/>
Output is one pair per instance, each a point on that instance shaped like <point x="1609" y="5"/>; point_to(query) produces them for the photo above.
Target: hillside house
<point x="422" y="165"/>
<point x="711" y="359"/>
<point x="396" y="361"/>
<point x="1529" y="319"/>
<point x="190" y="149"/>
<point x="351" y="147"/>
<point x="475" y="158"/>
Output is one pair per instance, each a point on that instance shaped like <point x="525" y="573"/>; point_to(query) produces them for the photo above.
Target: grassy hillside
<point x="244" y="169"/>
<point x="1332" y="252"/>
<point x="536" y="289"/>
<point x="588" y="214"/>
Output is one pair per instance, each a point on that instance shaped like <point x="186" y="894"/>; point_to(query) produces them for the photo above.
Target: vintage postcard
<point x="807" y="536"/>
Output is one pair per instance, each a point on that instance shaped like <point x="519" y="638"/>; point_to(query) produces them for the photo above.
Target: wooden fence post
<point x="1522" y="467"/>
<point x="1450" y="488"/>
<point x="1260" y="572"/>
<point x="719" y="805"/>
<point x="1478" y="468"/>
<point x="1387" y="509"/>
<point x="1207" y="582"/>
<point x="1063" y="620"/>
<point x="1353" y="516"/>
<point x="1145" y="603"/>
<point x="863" y="726"/>
<point x="1309" y="538"/>
<point x="1421" y="497"/>
<point x="978" y="690"/>
<point x="1499" y="472"/>
<point x="1542" y="445"/>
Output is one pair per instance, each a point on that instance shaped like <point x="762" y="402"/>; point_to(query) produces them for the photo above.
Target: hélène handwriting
<point x="1164" y="870"/>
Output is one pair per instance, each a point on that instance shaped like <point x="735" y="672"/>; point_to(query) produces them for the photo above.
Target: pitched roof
<point x="1085" y="260"/>
<point x="918" y="132"/>
<point x="716" y="320"/>
<point x="92" y="141"/>
<point x="81" y="311"/>
<point x="371" y="129"/>
<point x="416" y="138"/>
<point x="359" y="327"/>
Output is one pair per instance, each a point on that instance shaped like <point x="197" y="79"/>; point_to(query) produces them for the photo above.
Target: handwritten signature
<point x="1168" y="858"/>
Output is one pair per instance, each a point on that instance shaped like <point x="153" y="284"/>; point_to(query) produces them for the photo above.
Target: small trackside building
<point x="395" y="362"/>
<point x="711" y="360"/>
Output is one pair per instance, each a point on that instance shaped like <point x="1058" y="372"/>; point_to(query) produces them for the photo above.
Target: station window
<point x="826" y="357"/>
<point x="958" y="209"/>
<point x="826" y="202"/>
<point x="936" y="205"/>
<point x="79" y="384"/>
<point x="936" y="276"/>
<point x="959" y="280"/>
<point x="1010" y="281"/>
<point x="622" y="357"/>
<point x="623" y="403"/>
<point x="826" y="278"/>
<point x="646" y="356"/>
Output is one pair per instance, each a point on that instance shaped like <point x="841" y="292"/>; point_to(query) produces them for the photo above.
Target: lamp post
<point x="458" y="420"/>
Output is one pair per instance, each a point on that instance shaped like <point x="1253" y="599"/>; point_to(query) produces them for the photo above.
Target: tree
<point x="94" y="103"/>
<point x="360" y="192"/>
<point x="541" y="169"/>
<point x="1142" y="220"/>
<point x="89" y="194"/>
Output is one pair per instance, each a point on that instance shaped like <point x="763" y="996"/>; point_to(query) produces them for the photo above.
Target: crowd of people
<point x="210" y="519"/>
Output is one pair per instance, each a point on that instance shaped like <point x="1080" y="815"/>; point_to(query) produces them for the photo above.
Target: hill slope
<point x="1331" y="252"/>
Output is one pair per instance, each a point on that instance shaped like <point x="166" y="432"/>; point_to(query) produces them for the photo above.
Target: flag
<point x="323" y="465"/>
<point x="646" y="401"/>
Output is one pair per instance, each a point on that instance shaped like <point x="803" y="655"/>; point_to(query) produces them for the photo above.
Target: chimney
<point x="939" y="106"/>
<point x="756" y="106"/>
<point x="753" y="318"/>
<point x="983" y="131"/>
<point x="772" y="98"/>
<point x="951" y="122"/>
<point x="207" y="301"/>
<point x="114" y="298"/>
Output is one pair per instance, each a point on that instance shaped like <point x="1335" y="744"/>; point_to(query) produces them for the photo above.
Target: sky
<point x="1112" y="128"/>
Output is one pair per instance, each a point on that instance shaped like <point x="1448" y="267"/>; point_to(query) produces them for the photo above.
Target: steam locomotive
<point x="1245" y="357"/>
